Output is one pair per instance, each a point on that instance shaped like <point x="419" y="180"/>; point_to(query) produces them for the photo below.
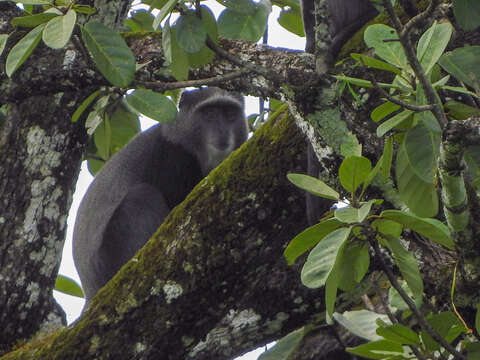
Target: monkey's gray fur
<point x="139" y="186"/>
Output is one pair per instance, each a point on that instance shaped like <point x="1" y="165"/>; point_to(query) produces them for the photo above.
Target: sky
<point x="278" y="37"/>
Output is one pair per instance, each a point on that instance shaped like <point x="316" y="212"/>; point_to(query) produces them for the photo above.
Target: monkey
<point x="139" y="186"/>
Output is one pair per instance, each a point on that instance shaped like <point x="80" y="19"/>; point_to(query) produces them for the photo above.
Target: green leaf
<point x="84" y="105"/>
<point x="68" y="286"/>
<point x="383" y="111"/>
<point x="380" y="349"/>
<point x="22" y="50"/>
<point x="102" y="138"/>
<point x="432" y="44"/>
<point x="34" y="2"/>
<point x="3" y="42"/>
<point x="124" y="126"/>
<point x="95" y="117"/>
<point x="362" y="323"/>
<point x="152" y="104"/>
<point x="407" y="264"/>
<point x="313" y="186"/>
<point x="473" y="350"/>
<point x="32" y="20"/>
<point x="463" y="64"/>
<point x="241" y="26"/>
<point x="430" y="228"/>
<point x="241" y="6"/>
<point x="422" y="148"/>
<point x="322" y="259"/>
<point x="172" y="51"/>
<point x="374" y="63"/>
<point x="353" y="172"/>
<point x="447" y="325"/>
<point x="190" y="33"/>
<point x="387" y="157"/>
<point x="353" y="265"/>
<point x="351" y="215"/>
<point x="84" y="9"/>
<point x="384" y="40"/>
<point x="331" y="289"/>
<point x="459" y="111"/>
<point x="388" y="227"/>
<point x="400" y="334"/>
<point x="460" y="90"/>
<point x="291" y="20"/>
<point x="286" y="346"/>
<point x="310" y="237"/>
<point x="111" y="55"/>
<point x="164" y="11"/>
<point x="140" y="20"/>
<point x="467" y="14"/>
<point x="397" y="303"/>
<point x="59" y="30"/>
<point x="420" y="197"/>
<point x="394" y="121"/>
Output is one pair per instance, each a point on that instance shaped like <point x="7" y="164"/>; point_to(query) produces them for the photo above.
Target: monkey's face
<point x="222" y="130"/>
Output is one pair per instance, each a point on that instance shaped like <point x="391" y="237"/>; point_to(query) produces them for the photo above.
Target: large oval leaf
<point x="308" y="238"/>
<point x="463" y="64"/>
<point x="152" y="104"/>
<point x="59" y="29"/>
<point x="322" y="259"/>
<point x="32" y="20"/>
<point x="190" y="33"/>
<point x="384" y="40"/>
<point x="291" y="20"/>
<point x="313" y="186"/>
<point x="248" y="27"/>
<point x="22" y="50"/>
<point x="430" y="228"/>
<point x="68" y="286"/>
<point x="353" y="172"/>
<point x="421" y="197"/>
<point x="422" y="150"/>
<point x="432" y="44"/>
<point x="467" y="13"/>
<point x="362" y="323"/>
<point x="111" y="55"/>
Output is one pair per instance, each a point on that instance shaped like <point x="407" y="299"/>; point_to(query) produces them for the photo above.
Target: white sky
<point x="278" y="37"/>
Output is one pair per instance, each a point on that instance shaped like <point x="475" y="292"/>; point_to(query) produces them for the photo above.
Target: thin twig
<point x="421" y="319"/>
<point x="415" y="64"/>
<point x="416" y="108"/>
<point x="413" y="22"/>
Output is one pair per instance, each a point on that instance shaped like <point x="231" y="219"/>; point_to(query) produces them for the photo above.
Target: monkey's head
<point x="215" y="122"/>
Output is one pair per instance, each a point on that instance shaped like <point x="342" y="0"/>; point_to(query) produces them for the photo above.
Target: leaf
<point x="164" y="11"/>
<point x="322" y="259"/>
<point x="124" y="126"/>
<point x="430" y="228"/>
<point x="477" y="318"/>
<point x="383" y="111"/>
<point x="351" y="215"/>
<point x="380" y="349"/>
<point x="394" y="121"/>
<point x="111" y="55"/>
<point x="152" y="104"/>
<point x="387" y="157"/>
<point x="353" y="265"/>
<point x="59" y="30"/>
<point x="68" y="286"/>
<point x="467" y="14"/>
<point x="22" y="50"/>
<point x="190" y="33"/>
<point x="407" y="264"/>
<point x="463" y="64"/>
<point x="399" y="334"/>
<point x="447" y="325"/>
<point x="313" y="186"/>
<point x="172" y="51"/>
<point x="140" y="20"/>
<point x="84" y="105"/>
<point x="3" y="42"/>
<point x="290" y="19"/>
<point x="34" y="2"/>
<point x="241" y="26"/>
<point x="384" y="40"/>
<point x="459" y="111"/>
<point x="353" y="172"/>
<point x="432" y="44"/>
<point x="422" y="148"/>
<point x="374" y="63"/>
<point x="331" y="289"/>
<point x="103" y="138"/>
<point x="240" y="6"/>
<point x="362" y="323"/>
<point x="420" y="197"/>
<point x="32" y="20"/>
<point x="397" y="303"/>
<point x="286" y="346"/>
<point x="308" y="238"/>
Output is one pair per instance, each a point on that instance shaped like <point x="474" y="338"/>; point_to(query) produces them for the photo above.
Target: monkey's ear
<point x="188" y="98"/>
